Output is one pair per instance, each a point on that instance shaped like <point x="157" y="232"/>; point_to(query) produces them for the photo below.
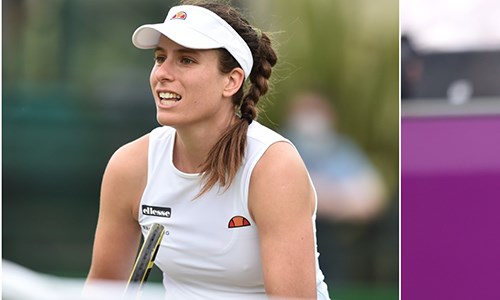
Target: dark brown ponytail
<point x="226" y="156"/>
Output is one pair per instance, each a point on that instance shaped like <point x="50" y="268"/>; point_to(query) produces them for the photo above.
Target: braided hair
<point x="226" y="156"/>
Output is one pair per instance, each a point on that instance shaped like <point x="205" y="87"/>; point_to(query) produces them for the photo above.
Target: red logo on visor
<point x="179" y="16"/>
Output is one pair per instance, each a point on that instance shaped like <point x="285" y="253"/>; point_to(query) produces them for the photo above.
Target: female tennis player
<point x="235" y="197"/>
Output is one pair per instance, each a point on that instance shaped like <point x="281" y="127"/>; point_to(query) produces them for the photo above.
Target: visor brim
<point x="148" y="37"/>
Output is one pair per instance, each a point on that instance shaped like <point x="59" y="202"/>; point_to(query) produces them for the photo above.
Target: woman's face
<point x="187" y="86"/>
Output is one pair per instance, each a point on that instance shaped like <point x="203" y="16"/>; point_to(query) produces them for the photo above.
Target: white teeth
<point x="169" y="96"/>
<point x="168" y="102"/>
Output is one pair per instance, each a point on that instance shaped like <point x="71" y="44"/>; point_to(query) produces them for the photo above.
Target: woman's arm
<point x="118" y="233"/>
<point x="281" y="201"/>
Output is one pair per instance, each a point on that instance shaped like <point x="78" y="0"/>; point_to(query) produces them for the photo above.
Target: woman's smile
<point x="168" y="99"/>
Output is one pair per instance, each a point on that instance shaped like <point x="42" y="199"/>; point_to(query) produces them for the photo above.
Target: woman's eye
<point x="186" y="60"/>
<point x="159" y="59"/>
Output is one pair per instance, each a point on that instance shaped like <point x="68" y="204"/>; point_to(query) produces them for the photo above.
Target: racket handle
<point x="145" y="259"/>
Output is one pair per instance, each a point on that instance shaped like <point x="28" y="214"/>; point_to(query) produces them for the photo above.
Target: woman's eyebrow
<point x="188" y="50"/>
<point x="159" y="49"/>
<point x="179" y="50"/>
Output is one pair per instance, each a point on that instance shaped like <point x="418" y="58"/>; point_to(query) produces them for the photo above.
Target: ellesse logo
<point x="156" y="211"/>
<point x="182" y="15"/>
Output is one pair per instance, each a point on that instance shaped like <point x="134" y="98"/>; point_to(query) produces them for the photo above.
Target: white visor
<point x="196" y="27"/>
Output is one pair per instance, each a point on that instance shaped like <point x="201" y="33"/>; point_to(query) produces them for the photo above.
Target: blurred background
<point x="450" y="145"/>
<point x="75" y="89"/>
<point x="450" y="52"/>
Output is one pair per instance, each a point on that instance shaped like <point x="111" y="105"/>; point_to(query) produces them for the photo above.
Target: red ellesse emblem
<point x="238" y="221"/>
<point x="179" y="16"/>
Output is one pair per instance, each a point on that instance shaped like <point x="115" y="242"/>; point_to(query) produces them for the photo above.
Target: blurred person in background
<point x="238" y="201"/>
<point x="411" y="68"/>
<point x="348" y="185"/>
<point x="351" y="192"/>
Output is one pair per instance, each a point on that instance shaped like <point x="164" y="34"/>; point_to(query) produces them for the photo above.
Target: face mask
<point x="310" y="125"/>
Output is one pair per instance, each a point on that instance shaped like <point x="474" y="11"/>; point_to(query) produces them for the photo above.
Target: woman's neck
<point x="192" y="144"/>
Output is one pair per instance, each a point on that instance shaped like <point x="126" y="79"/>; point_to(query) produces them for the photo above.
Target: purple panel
<point x="450" y="144"/>
<point x="450" y="208"/>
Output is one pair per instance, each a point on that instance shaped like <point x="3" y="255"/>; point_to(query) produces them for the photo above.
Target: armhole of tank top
<point x="153" y="136"/>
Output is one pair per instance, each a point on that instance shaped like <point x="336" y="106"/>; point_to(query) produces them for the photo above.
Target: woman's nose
<point x="163" y="72"/>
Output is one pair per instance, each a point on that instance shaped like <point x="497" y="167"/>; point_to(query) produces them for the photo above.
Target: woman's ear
<point x="234" y="82"/>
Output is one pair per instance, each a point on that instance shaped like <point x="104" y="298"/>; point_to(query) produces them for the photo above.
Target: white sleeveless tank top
<point x="210" y="249"/>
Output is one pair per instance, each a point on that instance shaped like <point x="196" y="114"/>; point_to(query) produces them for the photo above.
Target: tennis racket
<point x="145" y="259"/>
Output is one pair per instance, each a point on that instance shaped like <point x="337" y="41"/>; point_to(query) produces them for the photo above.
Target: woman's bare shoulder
<point x="280" y="158"/>
<point x="280" y="179"/>
<point x="131" y="159"/>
